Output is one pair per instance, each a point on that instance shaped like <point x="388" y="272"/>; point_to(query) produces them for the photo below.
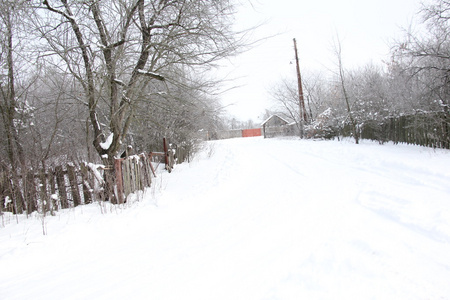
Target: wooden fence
<point x="70" y="185"/>
<point x="431" y="129"/>
<point x="49" y="190"/>
<point x="425" y="129"/>
<point x="235" y="133"/>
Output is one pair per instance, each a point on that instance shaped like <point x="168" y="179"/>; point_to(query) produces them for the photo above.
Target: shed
<point x="273" y="125"/>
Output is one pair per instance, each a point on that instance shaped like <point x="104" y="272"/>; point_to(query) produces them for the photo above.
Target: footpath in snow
<point x="248" y="219"/>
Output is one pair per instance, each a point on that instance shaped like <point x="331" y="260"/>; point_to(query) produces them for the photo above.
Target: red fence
<point x="236" y="133"/>
<point x="251" y="132"/>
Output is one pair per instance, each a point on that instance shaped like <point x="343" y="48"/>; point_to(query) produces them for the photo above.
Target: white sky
<point x="366" y="29"/>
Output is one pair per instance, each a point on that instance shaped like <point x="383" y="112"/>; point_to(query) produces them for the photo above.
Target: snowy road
<point x="253" y="219"/>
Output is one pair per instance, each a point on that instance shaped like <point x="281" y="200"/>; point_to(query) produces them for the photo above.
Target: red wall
<point x="251" y="132"/>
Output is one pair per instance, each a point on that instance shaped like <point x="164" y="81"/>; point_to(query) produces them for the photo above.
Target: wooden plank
<point x="126" y="177"/>
<point x="171" y="160"/>
<point x="119" y="180"/>
<point x="166" y="154"/>
<point x="43" y="195"/>
<point x="53" y="196"/>
<point x="5" y="191"/>
<point x="131" y="181"/>
<point x="60" y="181"/>
<point x="150" y="156"/>
<point x="73" y="185"/>
<point x="30" y="192"/>
<point x="148" y="170"/>
<point x="17" y="197"/>
<point x="87" y="186"/>
<point x="132" y="175"/>
<point x="138" y="174"/>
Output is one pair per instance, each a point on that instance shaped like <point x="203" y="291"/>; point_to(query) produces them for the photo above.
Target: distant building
<point x="277" y="126"/>
<point x="274" y="120"/>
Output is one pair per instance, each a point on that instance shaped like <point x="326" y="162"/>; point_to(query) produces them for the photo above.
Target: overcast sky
<point x="366" y="29"/>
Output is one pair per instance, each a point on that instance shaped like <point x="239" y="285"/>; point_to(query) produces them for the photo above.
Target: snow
<point x="151" y="74"/>
<point x="251" y="218"/>
<point x="119" y="82"/>
<point x="95" y="170"/>
<point x="108" y="142"/>
<point x="7" y="201"/>
<point x="142" y="72"/>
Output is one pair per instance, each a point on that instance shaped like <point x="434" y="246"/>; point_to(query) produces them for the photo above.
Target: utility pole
<point x="301" y="101"/>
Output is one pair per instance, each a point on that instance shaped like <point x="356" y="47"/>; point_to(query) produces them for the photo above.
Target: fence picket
<point x="50" y="190"/>
<point x="74" y="185"/>
<point x="53" y="196"/>
<point x="87" y="187"/>
<point x="425" y="129"/>
<point x="119" y="179"/>
<point x="61" y="183"/>
<point x="45" y="203"/>
<point x="30" y="192"/>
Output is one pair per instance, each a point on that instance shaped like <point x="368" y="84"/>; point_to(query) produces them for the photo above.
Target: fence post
<point x="53" y="200"/>
<point x="138" y="171"/>
<point x="61" y="186"/>
<point x="74" y="184"/>
<point x="147" y="170"/>
<point x="166" y="154"/>
<point x="16" y="194"/>
<point x="6" y="191"/>
<point x="45" y="201"/>
<point x="150" y="155"/>
<point x="171" y="159"/>
<point x="119" y="179"/>
<point x="86" y="186"/>
<point x="30" y="191"/>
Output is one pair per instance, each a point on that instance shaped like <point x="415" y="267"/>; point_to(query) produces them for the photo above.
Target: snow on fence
<point x="431" y="129"/>
<point x="133" y="173"/>
<point x="49" y="190"/>
<point x="424" y="129"/>
<point x="70" y="185"/>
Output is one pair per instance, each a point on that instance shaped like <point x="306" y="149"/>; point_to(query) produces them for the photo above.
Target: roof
<point x="272" y="116"/>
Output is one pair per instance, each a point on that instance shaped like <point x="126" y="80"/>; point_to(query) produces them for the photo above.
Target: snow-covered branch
<point x="119" y="82"/>
<point x="152" y="75"/>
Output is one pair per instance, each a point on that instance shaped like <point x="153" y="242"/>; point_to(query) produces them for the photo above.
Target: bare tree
<point x="14" y="109"/>
<point x="426" y="56"/>
<point x="345" y="95"/>
<point x="179" y="112"/>
<point x="423" y="58"/>
<point x="9" y="106"/>
<point x="116" y="48"/>
<point x="285" y="95"/>
<point x="59" y="130"/>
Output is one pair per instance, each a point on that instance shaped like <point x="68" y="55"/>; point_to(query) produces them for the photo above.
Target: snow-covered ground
<point x="248" y="219"/>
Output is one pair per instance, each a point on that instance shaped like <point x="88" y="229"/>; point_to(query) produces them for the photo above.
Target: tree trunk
<point x="109" y="176"/>
<point x="353" y="122"/>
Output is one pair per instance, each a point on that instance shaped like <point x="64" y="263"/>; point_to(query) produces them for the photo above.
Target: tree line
<point x="413" y="84"/>
<point x="82" y="79"/>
